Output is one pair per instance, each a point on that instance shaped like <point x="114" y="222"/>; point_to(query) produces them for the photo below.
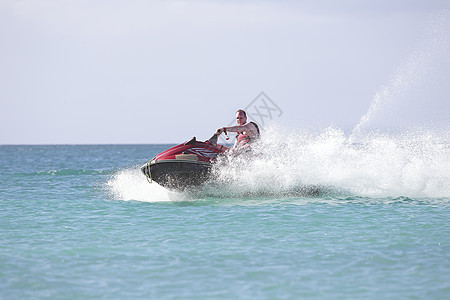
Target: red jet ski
<point x="185" y="165"/>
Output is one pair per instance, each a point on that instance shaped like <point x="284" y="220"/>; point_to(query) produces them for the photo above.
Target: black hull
<point x="177" y="174"/>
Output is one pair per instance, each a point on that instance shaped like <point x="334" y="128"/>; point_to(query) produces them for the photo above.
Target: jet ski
<point x="184" y="166"/>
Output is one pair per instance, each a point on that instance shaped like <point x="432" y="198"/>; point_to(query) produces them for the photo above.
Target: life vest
<point x="244" y="140"/>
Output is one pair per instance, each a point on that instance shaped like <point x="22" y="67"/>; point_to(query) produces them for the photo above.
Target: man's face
<point x="240" y="118"/>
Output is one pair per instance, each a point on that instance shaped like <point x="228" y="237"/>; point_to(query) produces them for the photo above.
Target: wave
<point x="63" y="172"/>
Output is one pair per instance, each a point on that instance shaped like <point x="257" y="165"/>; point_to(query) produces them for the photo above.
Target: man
<point x="247" y="133"/>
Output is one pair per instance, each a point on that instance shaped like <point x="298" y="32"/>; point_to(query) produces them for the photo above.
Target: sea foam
<point x="130" y="184"/>
<point x="413" y="164"/>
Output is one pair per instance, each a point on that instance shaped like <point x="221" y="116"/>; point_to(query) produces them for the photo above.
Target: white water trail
<point x="414" y="164"/>
<point x="130" y="184"/>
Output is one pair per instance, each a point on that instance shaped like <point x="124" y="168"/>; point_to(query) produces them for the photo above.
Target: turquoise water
<point x="80" y="222"/>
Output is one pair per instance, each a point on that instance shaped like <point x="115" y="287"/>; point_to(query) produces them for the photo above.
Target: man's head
<point x="241" y="117"/>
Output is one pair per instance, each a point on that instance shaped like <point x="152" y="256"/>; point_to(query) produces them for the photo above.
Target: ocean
<point x="82" y="222"/>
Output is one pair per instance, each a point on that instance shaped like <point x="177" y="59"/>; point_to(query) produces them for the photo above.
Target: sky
<point x="136" y="71"/>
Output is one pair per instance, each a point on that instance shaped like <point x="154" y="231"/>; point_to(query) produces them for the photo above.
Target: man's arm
<point x="238" y="128"/>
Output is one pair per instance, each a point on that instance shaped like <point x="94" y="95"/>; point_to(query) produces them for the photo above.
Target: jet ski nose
<point x="146" y="170"/>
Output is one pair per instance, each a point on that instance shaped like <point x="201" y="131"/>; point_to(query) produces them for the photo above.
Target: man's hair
<point x="242" y="111"/>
